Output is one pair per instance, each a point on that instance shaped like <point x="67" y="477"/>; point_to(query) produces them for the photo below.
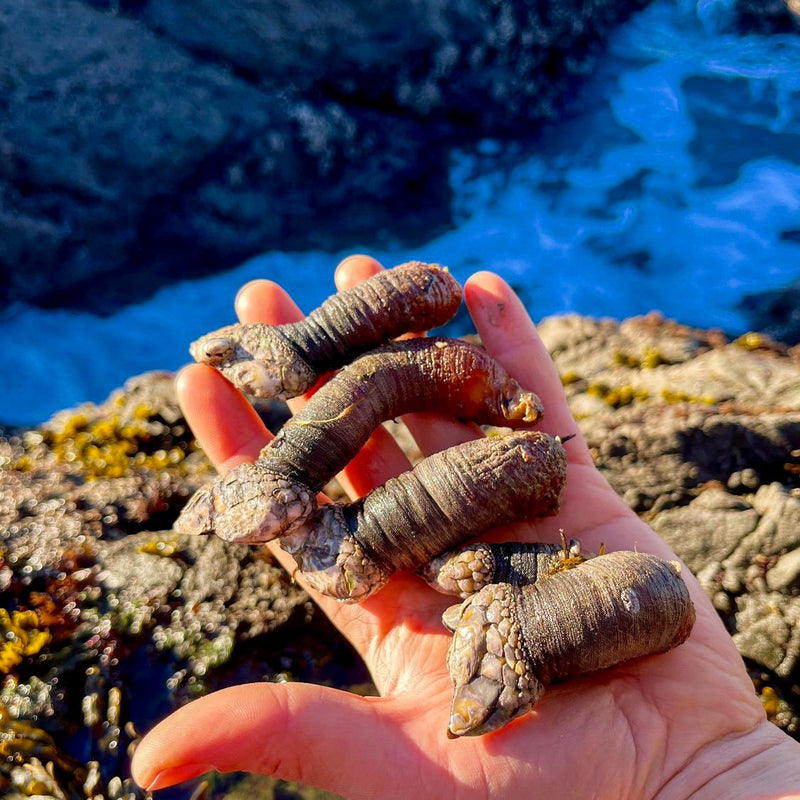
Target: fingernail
<point x="172" y="775"/>
<point x="355" y="258"/>
<point x="351" y="257"/>
<point x="244" y="289"/>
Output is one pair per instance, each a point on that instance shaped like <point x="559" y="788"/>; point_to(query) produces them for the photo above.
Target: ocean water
<point x="675" y="186"/>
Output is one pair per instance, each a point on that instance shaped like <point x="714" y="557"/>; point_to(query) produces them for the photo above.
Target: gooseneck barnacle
<point x="533" y="614"/>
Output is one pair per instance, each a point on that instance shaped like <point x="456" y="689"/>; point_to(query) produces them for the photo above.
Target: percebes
<point x="266" y="499"/>
<point x="286" y="360"/>
<point x="469" y="569"/>
<point x="510" y="642"/>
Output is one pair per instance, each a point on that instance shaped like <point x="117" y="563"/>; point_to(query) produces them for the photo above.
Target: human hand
<point x="683" y="723"/>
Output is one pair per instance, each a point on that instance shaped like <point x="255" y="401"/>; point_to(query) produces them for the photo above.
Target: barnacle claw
<point x="197" y="516"/>
<point x="522" y="405"/>
<point x="451" y="615"/>
<point x="461" y="572"/>
<point x="256" y="359"/>
<point x="465" y="653"/>
<point x="493" y="684"/>
<point x="472" y="703"/>
<point x="248" y="505"/>
<point x="332" y="560"/>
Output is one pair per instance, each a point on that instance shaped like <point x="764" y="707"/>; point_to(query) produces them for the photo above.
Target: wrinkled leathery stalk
<point x="350" y="551"/>
<point x="510" y="642"/>
<point x="286" y="360"/>
<point x="260" y="501"/>
<point x="467" y="570"/>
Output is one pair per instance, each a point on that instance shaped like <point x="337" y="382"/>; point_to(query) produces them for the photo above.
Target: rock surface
<point x="112" y="619"/>
<point x="702" y="438"/>
<point x="144" y="138"/>
<point x="109" y="618"/>
<point x="776" y="312"/>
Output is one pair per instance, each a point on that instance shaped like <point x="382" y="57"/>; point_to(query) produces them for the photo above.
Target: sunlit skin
<point x="683" y="724"/>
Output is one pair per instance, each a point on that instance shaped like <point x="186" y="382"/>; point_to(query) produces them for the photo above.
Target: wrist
<point x="763" y="763"/>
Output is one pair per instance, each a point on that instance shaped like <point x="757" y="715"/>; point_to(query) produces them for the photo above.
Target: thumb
<point x="312" y="734"/>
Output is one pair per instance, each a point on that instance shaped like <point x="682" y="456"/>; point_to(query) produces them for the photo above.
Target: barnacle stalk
<point x="349" y="551"/>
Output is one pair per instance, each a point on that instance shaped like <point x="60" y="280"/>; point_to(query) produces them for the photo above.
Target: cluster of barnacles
<point x="531" y="613"/>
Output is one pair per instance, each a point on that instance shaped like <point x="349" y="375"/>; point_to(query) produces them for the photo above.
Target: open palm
<point x="682" y="724"/>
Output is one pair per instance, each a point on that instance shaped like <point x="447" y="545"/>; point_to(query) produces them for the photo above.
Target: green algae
<point x="617" y="396"/>
<point x="650" y="359"/>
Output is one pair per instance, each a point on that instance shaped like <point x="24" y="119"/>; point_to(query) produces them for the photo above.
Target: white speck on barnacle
<point x="630" y="600"/>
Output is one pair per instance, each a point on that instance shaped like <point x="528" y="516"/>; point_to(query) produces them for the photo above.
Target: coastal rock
<point x="772" y="16"/>
<point x="702" y="437"/>
<point x="708" y="529"/>
<point x="777" y="312"/>
<point x="172" y="138"/>
<point x="768" y="631"/>
<point x="121" y="616"/>
<point x="785" y="573"/>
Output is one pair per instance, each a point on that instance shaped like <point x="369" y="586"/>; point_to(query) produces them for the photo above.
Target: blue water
<point x="674" y="186"/>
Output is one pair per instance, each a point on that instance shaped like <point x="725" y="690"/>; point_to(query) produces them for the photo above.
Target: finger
<point x="354" y="269"/>
<point x="206" y="398"/>
<point x="263" y="300"/>
<point x="224" y="423"/>
<point x="509" y="334"/>
<point x="298" y="732"/>
<point x="436" y="432"/>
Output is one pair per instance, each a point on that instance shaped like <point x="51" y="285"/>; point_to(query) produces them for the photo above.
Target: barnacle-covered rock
<point x="108" y="614"/>
<point x="708" y="451"/>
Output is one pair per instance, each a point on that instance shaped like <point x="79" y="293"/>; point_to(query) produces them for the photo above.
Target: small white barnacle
<point x="630" y="600"/>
